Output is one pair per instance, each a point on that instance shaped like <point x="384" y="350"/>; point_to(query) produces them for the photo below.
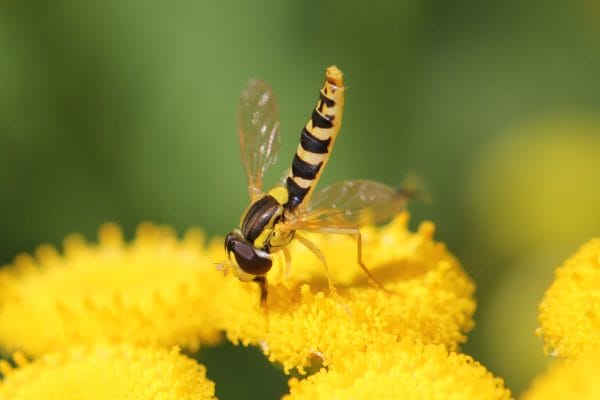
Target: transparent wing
<point x="351" y="204"/>
<point x="258" y="132"/>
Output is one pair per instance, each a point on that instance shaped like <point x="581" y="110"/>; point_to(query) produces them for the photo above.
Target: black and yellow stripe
<point x="316" y="140"/>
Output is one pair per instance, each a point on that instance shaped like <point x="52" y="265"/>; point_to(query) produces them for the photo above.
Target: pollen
<point x="155" y="290"/>
<point x="404" y="370"/>
<point x="570" y="310"/>
<point x="107" y="372"/>
<point x="427" y="296"/>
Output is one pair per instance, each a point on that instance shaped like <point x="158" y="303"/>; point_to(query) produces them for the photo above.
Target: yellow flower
<point x="158" y="290"/>
<point x="550" y="167"/>
<point x="106" y="372"/>
<point x="570" y="311"/>
<point x="428" y="297"/>
<point x="155" y="290"/>
<point x="572" y="379"/>
<point x="405" y="370"/>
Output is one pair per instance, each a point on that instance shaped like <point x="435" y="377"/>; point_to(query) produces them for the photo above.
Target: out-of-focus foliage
<point x="125" y="111"/>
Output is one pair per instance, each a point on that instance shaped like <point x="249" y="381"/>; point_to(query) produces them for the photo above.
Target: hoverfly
<point x="273" y="219"/>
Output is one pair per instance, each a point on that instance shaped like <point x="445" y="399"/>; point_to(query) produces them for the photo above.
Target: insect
<point x="278" y="216"/>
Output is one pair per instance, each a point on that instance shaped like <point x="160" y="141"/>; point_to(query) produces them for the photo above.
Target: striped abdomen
<point x="316" y="140"/>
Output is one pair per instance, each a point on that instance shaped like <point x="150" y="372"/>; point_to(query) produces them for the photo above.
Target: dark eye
<point x="247" y="258"/>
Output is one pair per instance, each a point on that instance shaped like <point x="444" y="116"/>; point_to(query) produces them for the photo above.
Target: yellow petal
<point x="428" y="297"/>
<point x="107" y="372"/>
<point x="155" y="290"/>
<point x="405" y="370"/>
<point x="570" y="311"/>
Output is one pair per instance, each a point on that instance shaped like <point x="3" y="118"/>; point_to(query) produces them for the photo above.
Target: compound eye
<point x="248" y="259"/>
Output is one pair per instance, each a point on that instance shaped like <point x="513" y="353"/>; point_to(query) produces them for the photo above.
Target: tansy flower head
<point x="107" y="372"/>
<point x="570" y="311"/>
<point x="428" y="297"/>
<point x="546" y="164"/>
<point x="159" y="290"/>
<point x="405" y="370"/>
<point x="570" y="379"/>
<point x="155" y="290"/>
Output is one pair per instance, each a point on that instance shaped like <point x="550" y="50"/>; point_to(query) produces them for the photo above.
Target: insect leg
<point x="317" y="252"/>
<point x="360" y="261"/>
<point x="288" y="262"/>
<point x="355" y="233"/>
<point x="285" y="272"/>
<point x="262" y="283"/>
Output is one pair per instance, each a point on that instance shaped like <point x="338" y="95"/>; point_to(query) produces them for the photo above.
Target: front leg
<point x="262" y="283"/>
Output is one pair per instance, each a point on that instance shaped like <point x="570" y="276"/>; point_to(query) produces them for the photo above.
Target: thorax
<point x="263" y="222"/>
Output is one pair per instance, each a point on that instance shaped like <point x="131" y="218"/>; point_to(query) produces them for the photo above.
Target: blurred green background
<point x="125" y="111"/>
